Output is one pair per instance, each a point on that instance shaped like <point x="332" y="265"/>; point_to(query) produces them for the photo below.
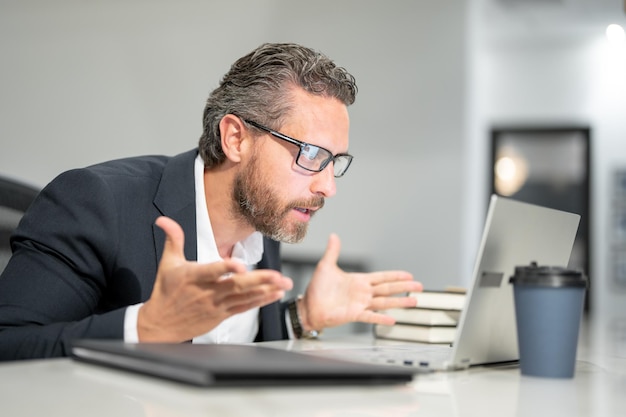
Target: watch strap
<point x="296" y="324"/>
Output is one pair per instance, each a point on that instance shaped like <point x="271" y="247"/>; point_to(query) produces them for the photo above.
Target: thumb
<point x="174" y="240"/>
<point x="331" y="255"/>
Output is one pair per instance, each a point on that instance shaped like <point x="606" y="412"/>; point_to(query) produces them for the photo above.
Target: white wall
<point x="82" y="82"/>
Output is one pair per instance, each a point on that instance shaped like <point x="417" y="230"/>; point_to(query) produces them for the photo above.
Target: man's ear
<point x="232" y="133"/>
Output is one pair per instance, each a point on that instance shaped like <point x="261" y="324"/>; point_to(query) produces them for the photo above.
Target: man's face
<point x="271" y="192"/>
<point x="266" y="209"/>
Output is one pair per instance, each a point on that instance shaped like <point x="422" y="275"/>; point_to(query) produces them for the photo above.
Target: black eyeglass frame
<point x="301" y="145"/>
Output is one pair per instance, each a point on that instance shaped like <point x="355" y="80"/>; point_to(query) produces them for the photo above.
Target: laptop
<point x="515" y="234"/>
<point x="217" y="365"/>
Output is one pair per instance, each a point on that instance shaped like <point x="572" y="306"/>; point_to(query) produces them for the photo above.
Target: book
<point x="424" y="316"/>
<point x="416" y="333"/>
<point x="442" y="300"/>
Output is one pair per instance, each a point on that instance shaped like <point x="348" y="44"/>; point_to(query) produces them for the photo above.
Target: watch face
<point x="313" y="334"/>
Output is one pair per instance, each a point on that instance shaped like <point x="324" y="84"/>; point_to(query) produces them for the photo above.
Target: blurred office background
<point x="82" y="82"/>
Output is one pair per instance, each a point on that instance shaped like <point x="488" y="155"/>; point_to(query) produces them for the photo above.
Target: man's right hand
<point x="190" y="299"/>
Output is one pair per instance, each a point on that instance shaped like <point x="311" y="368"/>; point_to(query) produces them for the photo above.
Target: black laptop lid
<point x="233" y="365"/>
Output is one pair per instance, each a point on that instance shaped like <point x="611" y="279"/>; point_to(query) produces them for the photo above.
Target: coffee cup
<point x="548" y="310"/>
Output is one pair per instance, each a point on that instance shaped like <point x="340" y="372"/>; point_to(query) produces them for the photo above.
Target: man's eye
<point x="310" y="151"/>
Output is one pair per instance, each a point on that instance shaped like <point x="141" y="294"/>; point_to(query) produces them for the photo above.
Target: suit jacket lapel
<point x="176" y="198"/>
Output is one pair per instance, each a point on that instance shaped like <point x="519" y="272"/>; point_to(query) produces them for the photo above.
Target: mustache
<point x="317" y="202"/>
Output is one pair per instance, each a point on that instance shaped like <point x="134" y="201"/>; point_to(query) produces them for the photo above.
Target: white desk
<point x="60" y="387"/>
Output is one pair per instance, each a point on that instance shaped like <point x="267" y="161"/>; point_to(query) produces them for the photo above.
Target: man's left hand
<point x="335" y="297"/>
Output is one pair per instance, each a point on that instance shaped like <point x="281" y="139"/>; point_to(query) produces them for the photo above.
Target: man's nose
<point x="324" y="182"/>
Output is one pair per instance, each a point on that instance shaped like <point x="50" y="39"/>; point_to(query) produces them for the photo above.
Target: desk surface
<point x="61" y="387"/>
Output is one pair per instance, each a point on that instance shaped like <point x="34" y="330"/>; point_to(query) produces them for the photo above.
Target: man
<point x="185" y="248"/>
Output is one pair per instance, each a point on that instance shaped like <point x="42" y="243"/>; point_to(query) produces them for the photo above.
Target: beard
<point x="260" y="206"/>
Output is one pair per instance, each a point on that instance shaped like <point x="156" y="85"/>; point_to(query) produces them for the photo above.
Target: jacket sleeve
<point x="52" y="288"/>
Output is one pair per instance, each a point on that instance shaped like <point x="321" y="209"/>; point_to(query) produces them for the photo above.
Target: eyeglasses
<point x="310" y="157"/>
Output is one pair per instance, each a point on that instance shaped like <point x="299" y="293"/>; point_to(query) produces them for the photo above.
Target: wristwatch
<point x="296" y="324"/>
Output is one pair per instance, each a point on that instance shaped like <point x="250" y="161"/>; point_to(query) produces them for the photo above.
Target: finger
<point x="215" y="271"/>
<point x="396" y="288"/>
<point x="384" y="303"/>
<point x="262" y="277"/>
<point x="244" y="302"/>
<point x="389" y="276"/>
<point x="253" y="280"/>
<point x="174" y="239"/>
<point x="374" y="317"/>
<point x="331" y="255"/>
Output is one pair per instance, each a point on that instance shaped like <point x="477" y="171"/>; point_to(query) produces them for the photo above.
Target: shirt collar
<point x="248" y="251"/>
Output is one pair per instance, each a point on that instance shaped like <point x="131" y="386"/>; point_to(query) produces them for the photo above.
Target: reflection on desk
<point x="61" y="387"/>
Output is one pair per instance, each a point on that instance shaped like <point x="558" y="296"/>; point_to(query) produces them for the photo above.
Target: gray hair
<point x="257" y="88"/>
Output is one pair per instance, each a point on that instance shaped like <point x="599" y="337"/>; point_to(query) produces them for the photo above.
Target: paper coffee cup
<point x="548" y="310"/>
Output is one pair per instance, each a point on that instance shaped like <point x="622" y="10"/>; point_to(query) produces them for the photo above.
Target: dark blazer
<point x="88" y="247"/>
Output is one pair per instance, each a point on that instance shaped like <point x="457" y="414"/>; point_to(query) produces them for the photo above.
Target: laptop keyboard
<point x="419" y="356"/>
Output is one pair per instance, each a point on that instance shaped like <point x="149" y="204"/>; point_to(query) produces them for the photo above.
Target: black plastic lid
<point x="548" y="276"/>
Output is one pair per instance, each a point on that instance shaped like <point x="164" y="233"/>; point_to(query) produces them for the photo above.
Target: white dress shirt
<point x="240" y="328"/>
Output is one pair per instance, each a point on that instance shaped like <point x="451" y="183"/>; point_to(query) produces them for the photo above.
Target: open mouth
<point x="310" y="208"/>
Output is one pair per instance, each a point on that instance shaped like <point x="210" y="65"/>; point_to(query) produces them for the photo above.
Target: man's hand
<point x="335" y="297"/>
<point x="190" y="299"/>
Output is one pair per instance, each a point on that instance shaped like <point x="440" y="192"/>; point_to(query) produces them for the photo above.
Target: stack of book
<point x="433" y="320"/>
